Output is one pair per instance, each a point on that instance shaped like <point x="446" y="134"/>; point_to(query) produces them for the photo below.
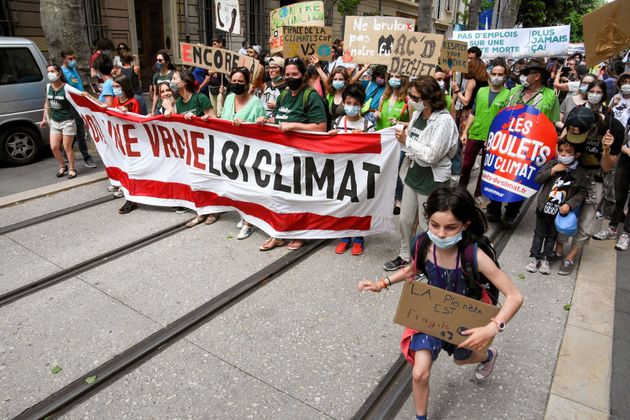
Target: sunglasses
<point x="160" y="60"/>
<point x="414" y="98"/>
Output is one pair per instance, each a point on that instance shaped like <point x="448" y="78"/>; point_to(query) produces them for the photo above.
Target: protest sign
<point x="290" y="185"/>
<point x="362" y="32"/>
<point x="304" y="41"/>
<point x="454" y="56"/>
<point x="215" y="59"/>
<point x="606" y="31"/>
<point x="227" y="16"/>
<point x="306" y="13"/>
<point x="521" y="42"/>
<point x="275" y="41"/>
<point x="440" y="313"/>
<point x="520" y="141"/>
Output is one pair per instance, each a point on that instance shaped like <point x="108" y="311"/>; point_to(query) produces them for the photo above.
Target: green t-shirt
<point x="197" y="104"/>
<point x="291" y="108"/>
<point x="399" y="111"/>
<point x="159" y="78"/>
<point x="420" y="178"/>
<point x="59" y="108"/>
<point x="249" y="113"/>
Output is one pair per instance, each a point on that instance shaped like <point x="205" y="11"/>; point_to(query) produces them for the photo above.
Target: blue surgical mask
<point x="72" y="63"/>
<point x="159" y="65"/>
<point x="447" y="242"/>
<point x="118" y="91"/>
<point x="582" y="89"/>
<point x="338" y="84"/>
<point x="352" y="110"/>
<point x="394" y="83"/>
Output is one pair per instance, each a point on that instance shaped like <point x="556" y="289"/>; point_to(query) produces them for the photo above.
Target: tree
<point x="425" y="16"/>
<point x="540" y="13"/>
<point x="508" y="14"/>
<point x="63" y="22"/>
<point x="473" y="14"/>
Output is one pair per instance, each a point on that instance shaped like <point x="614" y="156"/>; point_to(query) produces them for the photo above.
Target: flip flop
<point x="295" y="244"/>
<point x="272" y="243"/>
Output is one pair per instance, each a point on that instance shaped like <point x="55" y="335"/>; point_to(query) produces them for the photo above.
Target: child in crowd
<point x="564" y="186"/>
<point x="454" y="223"/>
<point x="353" y="99"/>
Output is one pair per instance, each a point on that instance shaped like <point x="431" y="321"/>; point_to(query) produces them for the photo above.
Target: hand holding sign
<point x="479" y="338"/>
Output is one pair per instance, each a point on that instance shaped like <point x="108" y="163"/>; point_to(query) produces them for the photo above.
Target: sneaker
<point x="566" y="268"/>
<point x="119" y="193"/>
<point x="484" y="369"/>
<point x="245" y="232"/>
<point x="239" y="224"/>
<point x="128" y="207"/>
<point x="622" y="243"/>
<point x="342" y="246"/>
<point x="544" y="267"/>
<point x="357" y="247"/>
<point x="180" y="210"/>
<point x="395" y="264"/>
<point x="532" y="264"/>
<point x="112" y="188"/>
<point x="89" y="163"/>
<point x="608" y="233"/>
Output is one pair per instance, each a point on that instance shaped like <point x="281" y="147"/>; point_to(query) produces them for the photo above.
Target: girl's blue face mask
<point x="447" y="242"/>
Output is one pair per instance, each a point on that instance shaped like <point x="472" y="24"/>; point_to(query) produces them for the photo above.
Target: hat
<point x="622" y="78"/>
<point x="535" y="64"/>
<point x="277" y="61"/>
<point x="578" y="124"/>
<point x="257" y="49"/>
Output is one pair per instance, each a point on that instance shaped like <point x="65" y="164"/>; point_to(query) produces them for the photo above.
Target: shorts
<point x="67" y="127"/>
<point x="421" y="341"/>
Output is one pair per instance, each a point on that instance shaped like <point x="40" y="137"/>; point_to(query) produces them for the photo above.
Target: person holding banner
<point x="164" y="74"/>
<point x="431" y="139"/>
<point x="124" y="98"/>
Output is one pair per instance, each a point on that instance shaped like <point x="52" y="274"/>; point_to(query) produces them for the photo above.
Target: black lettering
<point x="348" y="177"/>
<point x="241" y="163"/>
<point x="196" y="54"/>
<point x="207" y="57"/>
<point x="277" y="180"/>
<point x="399" y="49"/>
<point x="412" y="40"/>
<point x="218" y="59"/>
<point x="372" y="170"/>
<point x="262" y="181"/>
<point x="297" y="175"/>
<point x="231" y="172"/>
<point x="211" y="156"/>
<point x="327" y="176"/>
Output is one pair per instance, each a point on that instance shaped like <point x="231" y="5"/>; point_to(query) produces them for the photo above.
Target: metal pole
<point x="186" y="21"/>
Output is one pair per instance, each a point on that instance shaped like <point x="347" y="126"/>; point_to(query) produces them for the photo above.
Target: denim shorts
<point x="421" y="341"/>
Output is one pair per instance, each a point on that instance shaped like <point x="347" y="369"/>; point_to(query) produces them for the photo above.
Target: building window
<point x="257" y="20"/>
<point x="94" y="20"/>
<point x="6" y="24"/>
<point x="209" y="29"/>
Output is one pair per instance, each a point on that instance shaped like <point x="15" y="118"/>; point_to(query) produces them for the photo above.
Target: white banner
<point x="293" y="185"/>
<point x="519" y="42"/>
<point x="227" y="16"/>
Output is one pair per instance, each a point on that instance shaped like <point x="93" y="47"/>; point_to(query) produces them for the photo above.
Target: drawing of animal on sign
<point x="305" y="41"/>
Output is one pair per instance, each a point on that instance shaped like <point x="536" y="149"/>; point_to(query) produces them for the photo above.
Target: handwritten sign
<point x="362" y="32"/>
<point x="306" y="13"/>
<point x="215" y="59"/>
<point x="304" y="41"/>
<point x="227" y="16"/>
<point x="454" y="56"/>
<point x="439" y="313"/>
<point x="275" y="41"/>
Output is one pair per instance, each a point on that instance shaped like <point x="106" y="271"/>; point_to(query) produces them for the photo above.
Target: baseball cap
<point x="277" y="61"/>
<point x="579" y="123"/>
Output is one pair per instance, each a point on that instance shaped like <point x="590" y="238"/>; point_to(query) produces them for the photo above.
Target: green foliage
<point x="540" y="13"/>
<point x="347" y="7"/>
<point x="462" y="17"/>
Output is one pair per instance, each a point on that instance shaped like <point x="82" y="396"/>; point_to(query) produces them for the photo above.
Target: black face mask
<point x="237" y="88"/>
<point x="293" y="83"/>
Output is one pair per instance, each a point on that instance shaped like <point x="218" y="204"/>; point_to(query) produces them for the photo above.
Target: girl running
<point x="454" y="222"/>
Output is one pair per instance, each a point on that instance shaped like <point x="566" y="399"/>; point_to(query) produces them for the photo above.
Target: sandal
<point x="295" y="244"/>
<point x="62" y="171"/>
<point x="272" y="243"/>
<point x="72" y="174"/>
<point x="197" y="220"/>
<point x="211" y="219"/>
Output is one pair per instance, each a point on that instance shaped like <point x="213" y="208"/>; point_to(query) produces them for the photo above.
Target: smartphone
<point x="565" y="69"/>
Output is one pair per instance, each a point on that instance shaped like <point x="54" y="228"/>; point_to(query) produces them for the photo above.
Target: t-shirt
<point x="568" y="104"/>
<point x="107" y="90"/>
<point x="159" y="78"/>
<point x="72" y="77"/>
<point x="132" y="105"/>
<point x="290" y="108"/>
<point x="621" y="109"/>
<point x="197" y="104"/>
<point x="249" y="113"/>
<point x="344" y="125"/>
<point x="559" y="191"/>
<point x="420" y="178"/>
<point x="58" y="105"/>
<point x="592" y="152"/>
<point x="271" y="93"/>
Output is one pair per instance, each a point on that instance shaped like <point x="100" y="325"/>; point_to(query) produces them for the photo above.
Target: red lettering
<point x="186" y="49"/>
<point x="118" y="139"/>
<point x="95" y="131"/>
<point x="196" y="150"/>
<point x="167" y="140"/>
<point x="180" y="143"/>
<point x="130" y="140"/>
<point x="153" y="138"/>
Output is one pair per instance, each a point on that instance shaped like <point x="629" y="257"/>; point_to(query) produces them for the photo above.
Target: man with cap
<point x="531" y="92"/>
<point x="274" y="86"/>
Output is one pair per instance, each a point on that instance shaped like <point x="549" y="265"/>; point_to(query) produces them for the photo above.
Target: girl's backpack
<point x="479" y="286"/>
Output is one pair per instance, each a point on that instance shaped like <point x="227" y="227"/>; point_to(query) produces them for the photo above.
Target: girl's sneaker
<point x="357" y="247"/>
<point x="622" y="243"/>
<point x="342" y="246"/>
<point x="484" y="369"/>
<point x="608" y="233"/>
<point x="112" y="188"/>
<point x="246" y="232"/>
<point x="544" y="267"/>
<point x="533" y="264"/>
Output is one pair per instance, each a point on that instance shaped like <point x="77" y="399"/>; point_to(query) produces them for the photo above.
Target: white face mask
<point x="442" y="84"/>
<point x="574" y="86"/>
<point x="416" y="106"/>
<point x="523" y="80"/>
<point x="566" y="160"/>
<point x="625" y="89"/>
<point x="52" y="77"/>
<point x="496" y="80"/>
<point x="594" y="98"/>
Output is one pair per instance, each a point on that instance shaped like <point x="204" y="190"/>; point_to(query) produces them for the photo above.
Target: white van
<point x="22" y="94"/>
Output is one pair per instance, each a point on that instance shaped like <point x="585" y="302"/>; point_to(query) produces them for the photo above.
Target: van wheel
<point x="19" y="145"/>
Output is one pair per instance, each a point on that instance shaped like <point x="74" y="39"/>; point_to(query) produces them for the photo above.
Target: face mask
<point x="237" y="88"/>
<point x="625" y="88"/>
<point x="573" y="87"/>
<point x="594" y="98"/>
<point x="352" y="110"/>
<point x="496" y="80"/>
<point x="294" y="83"/>
<point x="442" y="84"/>
<point x="338" y="84"/>
<point x="583" y="89"/>
<point x="446" y="242"/>
<point x="566" y="160"/>
<point x="380" y="81"/>
<point x="72" y="63"/>
<point x="159" y="65"/>
<point x="174" y="86"/>
<point x="416" y="106"/>
<point x="118" y="91"/>
<point x="277" y="79"/>
<point x="394" y="83"/>
<point x="53" y="77"/>
<point x="523" y="80"/>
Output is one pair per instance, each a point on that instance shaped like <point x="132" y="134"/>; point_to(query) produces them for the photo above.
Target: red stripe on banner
<point x="281" y="222"/>
<point x="363" y="143"/>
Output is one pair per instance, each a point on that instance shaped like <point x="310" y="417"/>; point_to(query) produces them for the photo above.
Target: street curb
<point x="21" y="197"/>
<point x="581" y="381"/>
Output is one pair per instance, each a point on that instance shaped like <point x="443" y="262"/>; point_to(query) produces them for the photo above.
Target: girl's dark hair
<point x="188" y="79"/>
<point x="500" y="61"/>
<point x="458" y="201"/>
<point x="122" y="44"/>
<point x="104" y="64"/>
<point x="244" y="71"/>
<point x="354" y="90"/>
<point x="341" y="70"/>
<point x="125" y="84"/>
<point x="296" y="61"/>
<point x="379" y="71"/>
<point x="430" y="91"/>
<point x="477" y="70"/>
<point x="167" y="59"/>
<point x="104" y="44"/>
<point x="602" y="85"/>
<point x="126" y="59"/>
<point x="58" y="70"/>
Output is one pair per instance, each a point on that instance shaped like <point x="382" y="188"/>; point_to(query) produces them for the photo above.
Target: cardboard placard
<point x="361" y="33"/>
<point x="275" y="41"/>
<point x="439" y="313"/>
<point x="606" y="31"/>
<point x="306" y="13"/>
<point x="227" y="16"/>
<point x="215" y="59"/>
<point x="454" y="56"/>
<point x="304" y="41"/>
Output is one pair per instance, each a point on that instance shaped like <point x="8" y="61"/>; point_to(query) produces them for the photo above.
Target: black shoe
<point x="396" y="210"/>
<point x="128" y="207"/>
<point x="493" y="217"/>
<point x="508" y="223"/>
<point x="395" y="264"/>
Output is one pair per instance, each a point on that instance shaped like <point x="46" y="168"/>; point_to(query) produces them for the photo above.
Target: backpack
<point x="305" y="96"/>
<point x="480" y="287"/>
<point x="366" y="123"/>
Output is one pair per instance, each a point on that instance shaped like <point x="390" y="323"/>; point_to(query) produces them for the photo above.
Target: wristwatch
<point x="500" y="324"/>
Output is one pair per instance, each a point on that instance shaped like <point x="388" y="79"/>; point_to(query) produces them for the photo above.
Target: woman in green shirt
<point x="393" y="106"/>
<point x="58" y="111"/>
<point x="240" y="106"/>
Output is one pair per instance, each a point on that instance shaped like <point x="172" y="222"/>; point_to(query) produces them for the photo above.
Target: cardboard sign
<point x="454" y="56"/>
<point x="275" y="41"/>
<point x="215" y="59"/>
<point x="361" y="33"/>
<point x="520" y="141"/>
<point x="516" y="43"/>
<point x="227" y="16"/>
<point x="606" y="31"/>
<point x="306" y="13"/>
<point x="304" y="41"/>
<point x="439" y="313"/>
